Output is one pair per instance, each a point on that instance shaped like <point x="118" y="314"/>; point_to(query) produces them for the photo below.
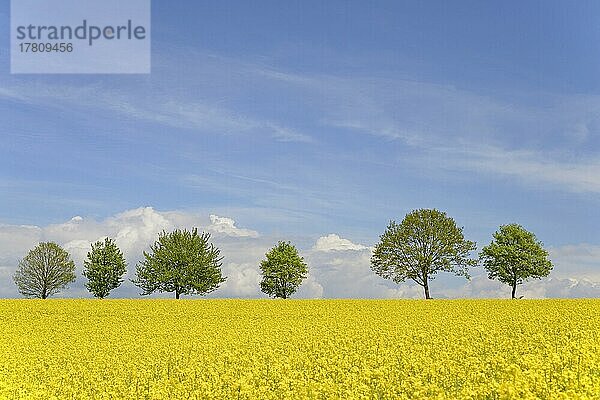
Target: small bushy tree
<point x="44" y="271"/>
<point x="104" y="268"/>
<point x="515" y="255"/>
<point x="424" y="243"/>
<point x="183" y="262"/>
<point x="283" y="271"/>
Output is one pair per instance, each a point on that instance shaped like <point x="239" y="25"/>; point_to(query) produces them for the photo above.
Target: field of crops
<point x="296" y="349"/>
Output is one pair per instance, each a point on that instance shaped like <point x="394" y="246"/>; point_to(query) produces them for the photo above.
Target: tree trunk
<point x="514" y="290"/>
<point x="426" y="287"/>
<point x="177" y="294"/>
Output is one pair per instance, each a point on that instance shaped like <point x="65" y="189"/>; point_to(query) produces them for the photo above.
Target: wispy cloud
<point x="415" y="112"/>
<point x="541" y="138"/>
<point x="284" y="134"/>
<point x="546" y="144"/>
<point x="164" y="109"/>
<point x="531" y="167"/>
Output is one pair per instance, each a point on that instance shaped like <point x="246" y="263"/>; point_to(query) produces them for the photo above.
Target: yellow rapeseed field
<point x="299" y="349"/>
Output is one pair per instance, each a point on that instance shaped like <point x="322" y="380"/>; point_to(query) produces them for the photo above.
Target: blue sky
<point x="301" y="119"/>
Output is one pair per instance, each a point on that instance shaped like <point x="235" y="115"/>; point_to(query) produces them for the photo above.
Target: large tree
<point x="283" y="271"/>
<point x="44" y="271"/>
<point x="182" y="261"/>
<point x="104" y="268"/>
<point x="424" y="243"/>
<point x="515" y="255"/>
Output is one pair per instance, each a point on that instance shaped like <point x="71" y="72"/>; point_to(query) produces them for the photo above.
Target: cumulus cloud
<point x="17" y="239"/>
<point x="333" y="242"/>
<point x="311" y="288"/>
<point x="227" y="226"/>
<point x="343" y="270"/>
<point x="243" y="280"/>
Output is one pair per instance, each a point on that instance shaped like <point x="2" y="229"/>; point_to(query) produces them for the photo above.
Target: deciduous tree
<point x="183" y="262"/>
<point x="44" y="271"/>
<point x="104" y="268"/>
<point x="283" y="271"/>
<point x="424" y="243"/>
<point x="515" y="255"/>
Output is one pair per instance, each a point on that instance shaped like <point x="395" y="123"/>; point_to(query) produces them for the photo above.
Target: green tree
<point x="515" y="255"/>
<point x="104" y="268"/>
<point x="183" y="262"/>
<point x="283" y="271"/>
<point x="44" y="271"/>
<point x="423" y="244"/>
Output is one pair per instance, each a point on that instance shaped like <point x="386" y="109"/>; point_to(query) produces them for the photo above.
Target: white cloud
<point x="78" y="249"/>
<point x="227" y="226"/>
<point x="134" y="229"/>
<point x="562" y="288"/>
<point x="16" y="239"/>
<point x="580" y="260"/>
<point x="345" y="274"/>
<point x="333" y="242"/>
<point x="242" y="280"/>
<point x="311" y="288"/>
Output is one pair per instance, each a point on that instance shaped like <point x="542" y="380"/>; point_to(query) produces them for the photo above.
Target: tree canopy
<point x="426" y="242"/>
<point x="283" y="271"/>
<point x="183" y="262"/>
<point x="44" y="271"/>
<point x="515" y="255"/>
<point x="104" y="268"/>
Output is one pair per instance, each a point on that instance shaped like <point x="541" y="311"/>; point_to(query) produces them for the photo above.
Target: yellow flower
<point x="300" y="349"/>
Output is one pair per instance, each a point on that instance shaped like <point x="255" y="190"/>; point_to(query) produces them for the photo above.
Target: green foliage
<point x="44" y="271"/>
<point x="283" y="271"/>
<point x="423" y="244"/>
<point x="515" y="255"/>
<point x="104" y="268"/>
<point x="183" y="262"/>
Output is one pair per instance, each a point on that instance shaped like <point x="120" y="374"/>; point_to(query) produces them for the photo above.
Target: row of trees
<point x="181" y="262"/>
<point x="185" y="262"/>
